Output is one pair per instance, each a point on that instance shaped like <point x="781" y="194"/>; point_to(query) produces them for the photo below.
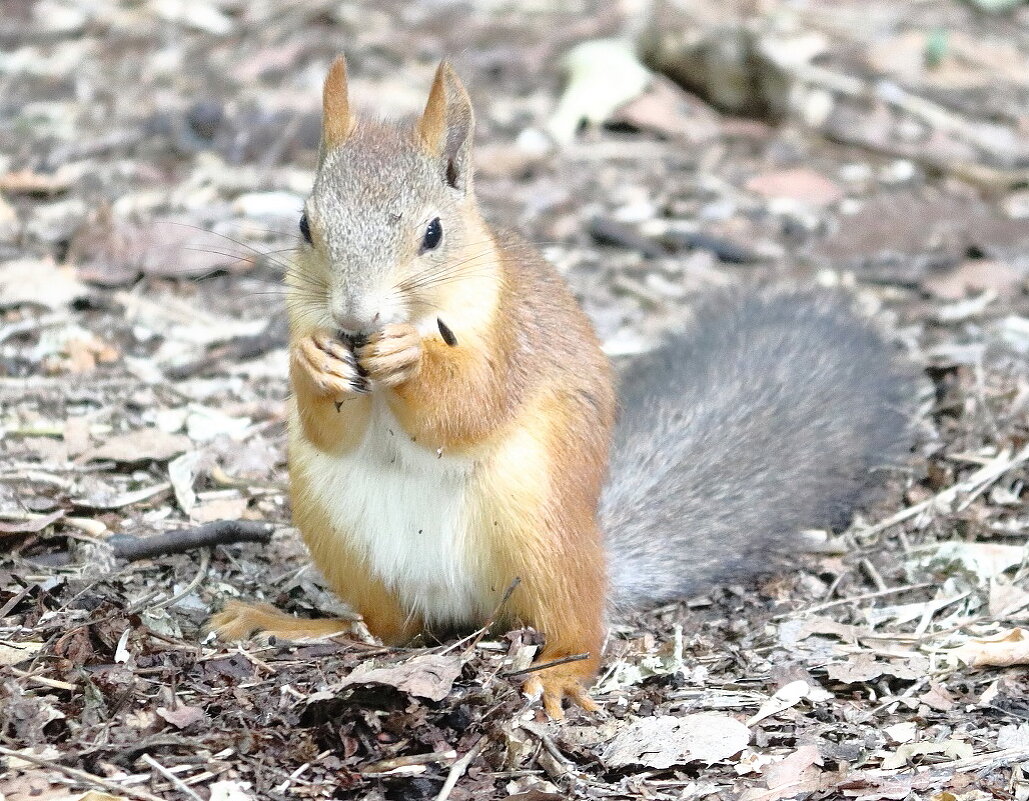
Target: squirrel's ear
<point x="336" y="120"/>
<point x="446" y="127"/>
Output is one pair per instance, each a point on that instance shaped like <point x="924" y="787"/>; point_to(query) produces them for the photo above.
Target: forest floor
<point x="153" y="159"/>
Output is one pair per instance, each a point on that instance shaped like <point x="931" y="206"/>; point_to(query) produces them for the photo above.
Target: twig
<point x="873" y="574"/>
<point x="548" y="743"/>
<point x="175" y="780"/>
<point x="220" y="532"/>
<point x="205" y="564"/>
<point x="458" y="768"/>
<point x="986" y="475"/>
<point x="79" y="775"/>
<point x="610" y="232"/>
<point x="855" y="598"/>
<point x="475" y="637"/>
<point x="545" y="665"/>
<point x="52" y="683"/>
<point x="386" y="765"/>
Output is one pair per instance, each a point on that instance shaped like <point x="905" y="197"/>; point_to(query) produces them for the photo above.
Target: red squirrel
<point x="452" y="415"/>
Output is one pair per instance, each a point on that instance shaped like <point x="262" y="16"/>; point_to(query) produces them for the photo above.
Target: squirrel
<point x="452" y="422"/>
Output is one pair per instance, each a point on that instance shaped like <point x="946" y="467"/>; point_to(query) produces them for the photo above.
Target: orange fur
<point x="337" y="123"/>
<point x="525" y="396"/>
<point x="238" y="621"/>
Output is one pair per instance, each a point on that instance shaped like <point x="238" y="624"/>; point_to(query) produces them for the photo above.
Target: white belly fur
<point x="405" y="507"/>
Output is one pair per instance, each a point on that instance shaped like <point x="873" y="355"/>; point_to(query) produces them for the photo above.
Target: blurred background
<point x="154" y="155"/>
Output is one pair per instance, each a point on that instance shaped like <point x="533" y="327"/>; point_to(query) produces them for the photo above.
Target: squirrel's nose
<point x="355" y="324"/>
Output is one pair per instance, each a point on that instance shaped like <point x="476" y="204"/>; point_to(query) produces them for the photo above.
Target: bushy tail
<point x="765" y="418"/>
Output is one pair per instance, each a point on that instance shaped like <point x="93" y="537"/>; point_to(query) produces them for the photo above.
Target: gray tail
<point x="763" y="419"/>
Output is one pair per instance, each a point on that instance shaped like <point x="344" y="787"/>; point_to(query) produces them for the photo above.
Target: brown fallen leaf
<point x="144" y="444"/>
<point x="796" y="773"/>
<point x="11" y="653"/>
<point x="800" y="184"/>
<point x="972" y="276"/>
<point x="182" y="716"/>
<point x="38" y="282"/>
<point x="671" y="112"/>
<point x="952" y="749"/>
<point x="109" y="251"/>
<point x="429" y="676"/>
<point x="864" y="667"/>
<point x="937" y="697"/>
<point x="31" y="524"/>
<point x="1001" y="650"/>
<point x="662" y="741"/>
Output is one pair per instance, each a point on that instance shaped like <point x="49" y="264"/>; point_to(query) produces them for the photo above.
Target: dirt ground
<point x="153" y="158"/>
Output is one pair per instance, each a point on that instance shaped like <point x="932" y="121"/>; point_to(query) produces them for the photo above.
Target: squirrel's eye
<point x="433" y="235"/>
<point x="305" y="229"/>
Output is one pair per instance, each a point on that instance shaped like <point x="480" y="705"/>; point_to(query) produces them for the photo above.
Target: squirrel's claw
<point x="393" y="355"/>
<point x="329" y="365"/>
<point x="554" y="685"/>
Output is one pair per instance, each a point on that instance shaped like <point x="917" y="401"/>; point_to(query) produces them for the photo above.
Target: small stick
<point x="446" y="333"/>
<point x="219" y="532"/>
<point x="854" y="599"/>
<point x="553" y="663"/>
<point x="458" y="768"/>
<point x="475" y="637"/>
<point x="201" y="574"/>
<point x="175" y="780"/>
<point x="82" y="776"/>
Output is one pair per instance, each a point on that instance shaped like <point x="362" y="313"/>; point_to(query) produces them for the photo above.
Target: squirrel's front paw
<point x="329" y="365"/>
<point x="393" y="355"/>
<point x="555" y="684"/>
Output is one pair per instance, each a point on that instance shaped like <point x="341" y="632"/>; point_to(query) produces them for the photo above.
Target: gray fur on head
<point x="763" y="419"/>
<point x="377" y="189"/>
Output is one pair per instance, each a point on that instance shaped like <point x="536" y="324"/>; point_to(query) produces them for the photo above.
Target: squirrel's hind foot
<point x="240" y="621"/>
<point x="555" y="684"/>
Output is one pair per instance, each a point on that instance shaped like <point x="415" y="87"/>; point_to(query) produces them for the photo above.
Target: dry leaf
<point x="1006" y="599"/>
<point x="801" y="184"/>
<point x="11" y="653"/>
<point x="901" y="732"/>
<point x="1012" y="736"/>
<point x="662" y="741"/>
<point x="864" y="667"/>
<point x="1002" y="650"/>
<point x="430" y="676"/>
<point x="788" y="777"/>
<point x="182" y="716"/>
<point x="985" y="559"/>
<point x="972" y="276"/>
<point x="31" y="524"/>
<point x="937" y="698"/>
<point x="219" y="509"/>
<point x="145" y="444"/>
<point x="39" y="283"/>
<point x="231" y="790"/>
<point x="954" y="749"/>
<point x="786" y="697"/>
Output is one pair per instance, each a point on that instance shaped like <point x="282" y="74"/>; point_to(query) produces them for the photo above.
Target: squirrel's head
<point x="391" y="218"/>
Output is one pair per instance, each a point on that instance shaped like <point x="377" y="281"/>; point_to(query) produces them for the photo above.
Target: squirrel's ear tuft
<point x="446" y="127"/>
<point x="336" y="120"/>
